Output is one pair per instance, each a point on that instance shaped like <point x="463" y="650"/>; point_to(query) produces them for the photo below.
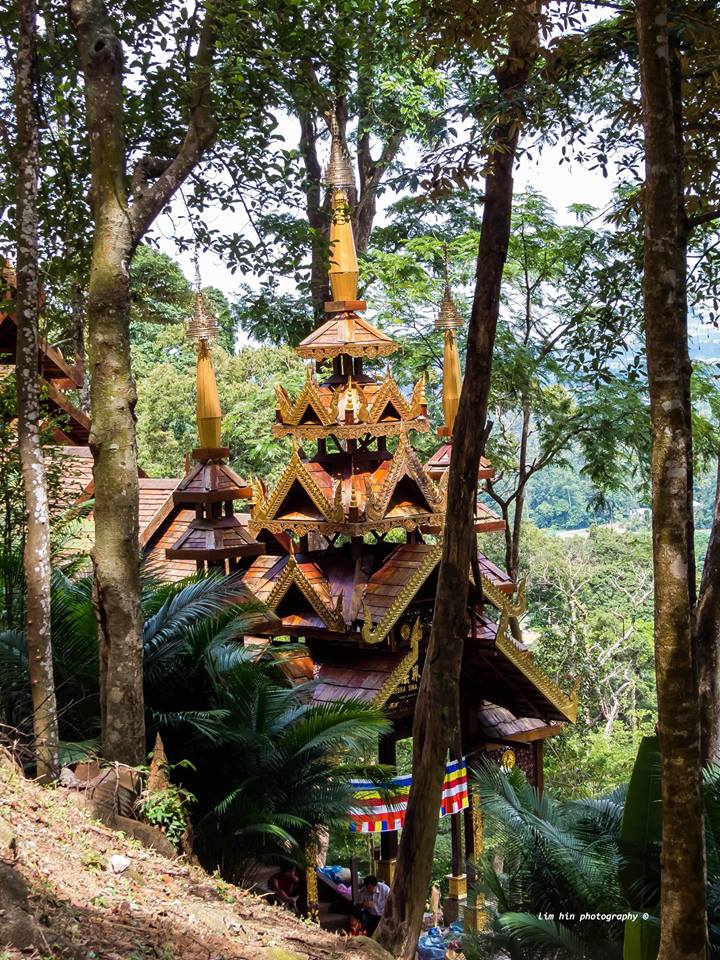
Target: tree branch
<point x="201" y="131"/>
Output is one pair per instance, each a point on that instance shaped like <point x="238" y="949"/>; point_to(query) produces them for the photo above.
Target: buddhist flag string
<point x="379" y="808"/>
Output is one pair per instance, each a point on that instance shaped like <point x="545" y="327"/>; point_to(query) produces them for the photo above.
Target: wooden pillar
<point x="475" y="917"/>
<point x="539" y="750"/>
<point x="387" y="754"/>
<point x="457" y="880"/>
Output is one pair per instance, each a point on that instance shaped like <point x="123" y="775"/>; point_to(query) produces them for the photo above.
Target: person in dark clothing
<point x="285" y="884"/>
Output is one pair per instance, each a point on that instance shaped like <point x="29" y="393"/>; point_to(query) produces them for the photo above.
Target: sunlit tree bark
<point x="37" y="541"/>
<point x="119" y="227"/>
<point x="436" y="721"/>
<point x="683" y="918"/>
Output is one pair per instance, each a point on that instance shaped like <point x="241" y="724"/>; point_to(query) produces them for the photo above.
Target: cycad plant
<point x="281" y="766"/>
<point x="266" y="765"/>
<point x="565" y="860"/>
<point x="182" y="621"/>
<point x="560" y="863"/>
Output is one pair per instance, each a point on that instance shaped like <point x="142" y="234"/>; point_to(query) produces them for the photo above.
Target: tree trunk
<point x="707" y="632"/>
<point x="36" y="556"/>
<point x="77" y="313"/>
<point x="118" y="230"/>
<point x="513" y="560"/>
<point x="436" y="720"/>
<point x="112" y="396"/>
<point x="683" y="926"/>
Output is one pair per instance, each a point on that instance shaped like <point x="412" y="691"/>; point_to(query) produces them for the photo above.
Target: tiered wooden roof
<point x="215" y="535"/>
<point x="349" y="409"/>
<point x="362" y="605"/>
<point x="359" y="593"/>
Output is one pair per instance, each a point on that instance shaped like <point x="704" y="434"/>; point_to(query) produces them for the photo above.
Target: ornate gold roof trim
<point x="348" y="527"/>
<point x="350" y="431"/>
<point x="399" y="604"/>
<point x="369" y="350"/>
<point x="389" y="392"/>
<point x="523" y="661"/>
<point x="500" y="600"/>
<point x="292" y="574"/>
<point x="265" y="509"/>
<point x="402" y="670"/>
<point x="405" y="463"/>
<point x="310" y="396"/>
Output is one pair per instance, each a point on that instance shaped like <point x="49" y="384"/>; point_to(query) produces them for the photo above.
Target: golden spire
<point x="449" y="320"/>
<point x="338" y="175"/>
<point x="202" y="328"/>
<point x="449" y="316"/>
<point x="343" y="258"/>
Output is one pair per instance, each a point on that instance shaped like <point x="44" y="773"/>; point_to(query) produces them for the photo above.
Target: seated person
<point x="355" y="926"/>
<point x="285" y="884"/>
<point x="372" y="896"/>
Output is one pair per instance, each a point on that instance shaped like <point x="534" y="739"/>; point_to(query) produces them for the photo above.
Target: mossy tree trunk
<point x="36" y="557"/>
<point x="436" y="720"/>
<point x="683" y="917"/>
<point x="119" y="227"/>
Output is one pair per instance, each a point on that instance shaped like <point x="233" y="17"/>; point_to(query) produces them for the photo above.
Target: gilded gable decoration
<point x="404" y="670"/>
<point x="405" y="463"/>
<point x="523" y="661"/>
<point x="309" y="400"/>
<point x="331" y="616"/>
<point x="265" y="511"/>
<point x="372" y="634"/>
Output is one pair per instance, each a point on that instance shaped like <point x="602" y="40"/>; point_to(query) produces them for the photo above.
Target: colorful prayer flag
<point x="379" y="809"/>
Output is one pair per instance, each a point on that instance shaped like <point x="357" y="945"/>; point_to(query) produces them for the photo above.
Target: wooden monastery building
<point x="344" y="548"/>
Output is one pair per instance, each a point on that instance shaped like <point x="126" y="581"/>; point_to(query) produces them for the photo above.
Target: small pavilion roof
<point x="211" y="482"/>
<point x="346" y="333"/>
<point x="439" y="463"/>
<point x="507" y="673"/>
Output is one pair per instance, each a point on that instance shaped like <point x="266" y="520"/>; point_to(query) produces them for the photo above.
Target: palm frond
<point x="534" y="932"/>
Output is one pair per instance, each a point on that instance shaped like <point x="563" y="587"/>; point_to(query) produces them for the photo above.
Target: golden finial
<point x="449" y="320"/>
<point x="338" y="175"/>
<point x="343" y="269"/>
<point x="449" y="316"/>
<point x="203" y="324"/>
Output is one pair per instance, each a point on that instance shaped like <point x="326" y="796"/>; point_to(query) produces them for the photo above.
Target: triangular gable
<point x="293" y="576"/>
<point x="267" y="510"/>
<point x="405" y="467"/>
<point x="308" y="408"/>
<point x="388" y="404"/>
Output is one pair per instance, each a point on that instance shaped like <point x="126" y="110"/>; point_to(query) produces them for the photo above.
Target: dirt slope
<point x="60" y="899"/>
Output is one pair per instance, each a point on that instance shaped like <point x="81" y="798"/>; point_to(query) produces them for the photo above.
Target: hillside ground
<point x="61" y="900"/>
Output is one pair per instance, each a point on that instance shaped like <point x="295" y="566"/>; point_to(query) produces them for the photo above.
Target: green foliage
<point x="246" y="385"/>
<point x="560" y="862"/>
<point x="639" y="845"/>
<point x="168" y="810"/>
<point x="560" y="859"/>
